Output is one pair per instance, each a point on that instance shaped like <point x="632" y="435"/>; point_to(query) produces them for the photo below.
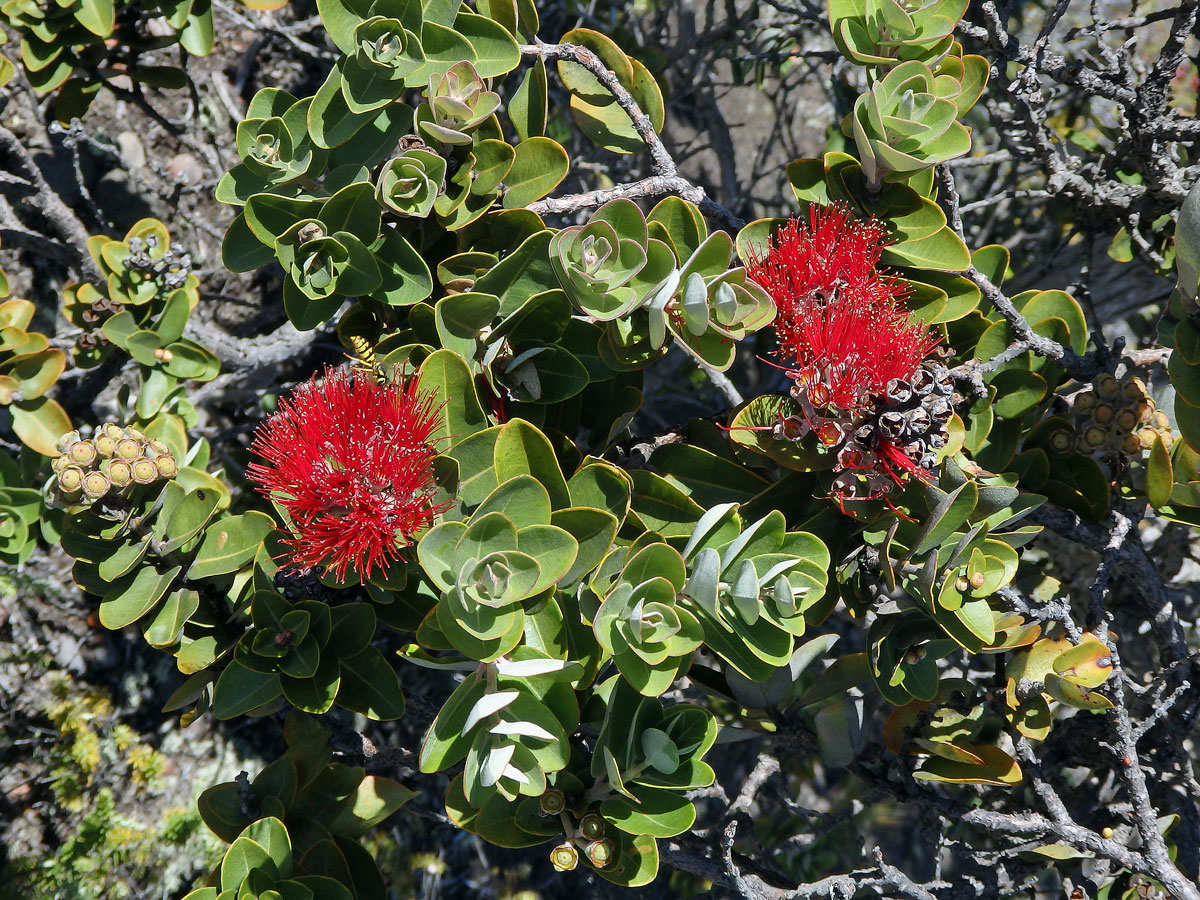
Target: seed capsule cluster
<point x="93" y="319"/>
<point x="1116" y="418"/>
<point x="109" y="464"/>
<point x="897" y="432"/>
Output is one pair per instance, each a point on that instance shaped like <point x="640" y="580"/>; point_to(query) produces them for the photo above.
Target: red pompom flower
<point x="351" y="460"/>
<point x="840" y="325"/>
<point x="856" y="359"/>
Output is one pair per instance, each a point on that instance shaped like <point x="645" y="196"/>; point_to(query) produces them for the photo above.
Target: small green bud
<point x="64" y="443"/>
<point x="145" y="471"/>
<point x="599" y="853"/>
<point x="592" y="827"/>
<point x="95" y="485"/>
<point x="1107" y="386"/>
<point x="1084" y="401"/>
<point x="119" y="472"/>
<point x="70" y="479"/>
<point x="1127" y="420"/>
<point x="1060" y="441"/>
<point x="82" y="453"/>
<point x="552" y="802"/>
<point x="564" y="858"/>
<point x="1094" y="437"/>
<point x="128" y="449"/>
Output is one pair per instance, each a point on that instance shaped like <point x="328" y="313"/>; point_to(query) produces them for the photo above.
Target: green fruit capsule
<point x="82" y="453"/>
<point x="70" y="479"/>
<point x="119" y="472"/>
<point x="96" y="485"/>
<point x="599" y="853"/>
<point x="592" y="827"/>
<point x="128" y="449"/>
<point x="564" y="858"/>
<point x="167" y="467"/>
<point x="145" y="472"/>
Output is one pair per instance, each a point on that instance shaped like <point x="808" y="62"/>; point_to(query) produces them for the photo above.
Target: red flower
<point x="351" y="460"/>
<point x="840" y="323"/>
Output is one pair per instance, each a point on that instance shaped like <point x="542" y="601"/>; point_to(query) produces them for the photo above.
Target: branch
<point x="665" y="179"/>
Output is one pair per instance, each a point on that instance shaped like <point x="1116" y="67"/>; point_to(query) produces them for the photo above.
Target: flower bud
<point x="95" y="485"/>
<point x="552" y="802"/>
<point x="134" y="435"/>
<point x="1060" y="441"/>
<point x="157" y="446"/>
<point x="119" y="472"/>
<point x="1160" y="421"/>
<point x="82" y="453"/>
<point x="600" y="853"/>
<point x="1094" y="437"/>
<point x="1133" y="389"/>
<point x="128" y="449"/>
<point x="1107" y="386"/>
<point x="70" y="479"/>
<point x="962" y="585"/>
<point x="1146" y="438"/>
<point x="564" y="858"/>
<point x="977" y="579"/>
<point x="64" y="443"/>
<point x="591" y="827"/>
<point x="144" y="471"/>
<point x="116" y="432"/>
<point x="1127" y="420"/>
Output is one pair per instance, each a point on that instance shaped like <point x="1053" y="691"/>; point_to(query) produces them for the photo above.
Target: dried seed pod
<point x="923" y="382"/>
<point x="898" y="390"/>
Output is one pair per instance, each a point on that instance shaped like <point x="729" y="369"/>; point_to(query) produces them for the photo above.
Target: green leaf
<point x="947" y="513"/>
<point x="240" y="690"/>
<point x="539" y="166"/>
<point x="230" y="543"/>
<point x="39" y="424"/>
<point x="529" y="104"/>
<point x="370" y="686"/>
<point x="129" y="600"/>
<point x="522" y="449"/>
<point x="658" y="813"/>
<point x="1159" y="475"/>
<point x="496" y="53"/>
<point x="1017" y="392"/>
<point x="445" y="743"/>
<point x="447" y="375"/>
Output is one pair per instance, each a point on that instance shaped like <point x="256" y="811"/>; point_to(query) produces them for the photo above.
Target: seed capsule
<point x="1127" y="420"/>
<point x="1160" y="421"/>
<point x="119" y="472"/>
<point x="1084" y="401"/>
<point x="1095" y="437"/>
<point x="64" y="443"/>
<point x="1107" y="386"/>
<point x="1130" y="444"/>
<point x="552" y="802"/>
<point x="82" y="453"/>
<point x="105" y="445"/>
<point x="1060" y="441"/>
<point x="95" y="485"/>
<point x="144" y="471"/>
<point x="70" y="479"/>
<point x="1146" y="438"/>
<point x="1103" y="414"/>
<point x="599" y="853"/>
<point x="564" y="858"/>
<point x="157" y="446"/>
<point x="592" y="827"/>
<point x="1134" y="389"/>
<point x="898" y="391"/>
<point x="167" y="467"/>
<point x="128" y="449"/>
<point x="116" y="432"/>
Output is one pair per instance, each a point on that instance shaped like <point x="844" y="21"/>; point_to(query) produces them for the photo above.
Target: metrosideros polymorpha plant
<point x="831" y="564"/>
